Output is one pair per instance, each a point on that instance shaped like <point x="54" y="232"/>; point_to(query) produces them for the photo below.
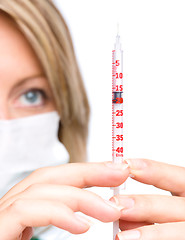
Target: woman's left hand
<point x="142" y="211"/>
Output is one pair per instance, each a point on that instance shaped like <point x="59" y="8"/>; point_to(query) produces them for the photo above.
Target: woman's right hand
<point x="52" y="195"/>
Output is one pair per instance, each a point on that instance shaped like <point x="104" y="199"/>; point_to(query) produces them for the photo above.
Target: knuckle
<point x="182" y="200"/>
<point x="34" y="187"/>
<point x="43" y="172"/>
<point x="40" y="171"/>
<point x="144" y="203"/>
<point x="16" y="206"/>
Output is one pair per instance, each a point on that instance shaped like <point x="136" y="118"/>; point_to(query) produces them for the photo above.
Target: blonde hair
<point x="45" y="29"/>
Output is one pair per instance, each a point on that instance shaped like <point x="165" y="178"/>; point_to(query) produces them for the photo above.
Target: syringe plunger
<point x="117" y="45"/>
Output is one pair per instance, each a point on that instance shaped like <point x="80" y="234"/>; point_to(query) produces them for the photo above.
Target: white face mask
<point x="27" y="144"/>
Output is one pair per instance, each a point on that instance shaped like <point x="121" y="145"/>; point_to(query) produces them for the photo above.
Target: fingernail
<point x="126" y="202"/>
<point x="129" y="235"/>
<point x="117" y="166"/>
<point x="114" y="205"/>
<point x="136" y="163"/>
<point x="83" y="219"/>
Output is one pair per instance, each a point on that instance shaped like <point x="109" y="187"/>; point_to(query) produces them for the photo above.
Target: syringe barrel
<point x="117" y="102"/>
<point x="117" y="113"/>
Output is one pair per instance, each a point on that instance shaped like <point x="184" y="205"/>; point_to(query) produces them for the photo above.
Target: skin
<point x="24" y="90"/>
<point x="48" y="196"/>
<point x="142" y="211"/>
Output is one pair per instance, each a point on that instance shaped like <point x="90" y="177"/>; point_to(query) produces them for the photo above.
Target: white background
<point x="153" y="40"/>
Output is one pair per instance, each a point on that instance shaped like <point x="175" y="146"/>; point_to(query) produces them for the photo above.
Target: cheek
<point x="25" y="112"/>
<point x="50" y="107"/>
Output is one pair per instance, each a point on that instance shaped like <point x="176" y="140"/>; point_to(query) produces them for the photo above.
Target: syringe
<point x="117" y="112"/>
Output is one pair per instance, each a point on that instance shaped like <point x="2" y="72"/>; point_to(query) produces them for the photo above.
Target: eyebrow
<point x="20" y="83"/>
<point x="24" y="80"/>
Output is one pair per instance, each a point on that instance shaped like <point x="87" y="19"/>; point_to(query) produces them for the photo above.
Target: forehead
<point x="17" y="59"/>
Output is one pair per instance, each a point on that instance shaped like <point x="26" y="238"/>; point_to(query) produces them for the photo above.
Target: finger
<point x="126" y="225"/>
<point x="76" y="199"/>
<point x="81" y="175"/>
<point x="165" y="231"/>
<point x="160" y="175"/>
<point x="36" y="213"/>
<point x="151" y="208"/>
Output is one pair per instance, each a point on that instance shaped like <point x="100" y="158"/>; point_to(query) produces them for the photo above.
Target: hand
<point x="142" y="211"/>
<point x="51" y="195"/>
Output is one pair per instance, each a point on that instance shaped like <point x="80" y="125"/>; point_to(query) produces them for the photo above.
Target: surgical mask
<point x="27" y="144"/>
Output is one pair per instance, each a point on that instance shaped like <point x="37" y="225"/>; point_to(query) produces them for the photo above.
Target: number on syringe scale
<point x="118" y="100"/>
<point x="119" y="150"/>
<point x="119" y="137"/>
<point x="119" y="112"/>
<point x="117" y="63"/>
<point x="119" y="88"/>
<point x="119" y="75"/>
<point x="119" y="125"/>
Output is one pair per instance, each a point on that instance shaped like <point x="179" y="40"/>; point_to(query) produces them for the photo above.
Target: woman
<point x="40" y="85"/>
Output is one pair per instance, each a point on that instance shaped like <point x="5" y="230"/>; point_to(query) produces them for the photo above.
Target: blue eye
<point x="32" y="98"/>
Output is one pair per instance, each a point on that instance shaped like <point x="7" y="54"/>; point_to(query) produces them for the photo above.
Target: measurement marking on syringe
<point x="117" y="111"/>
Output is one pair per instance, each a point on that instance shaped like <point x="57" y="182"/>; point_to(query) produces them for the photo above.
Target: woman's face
<point x="24" y="90"/>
